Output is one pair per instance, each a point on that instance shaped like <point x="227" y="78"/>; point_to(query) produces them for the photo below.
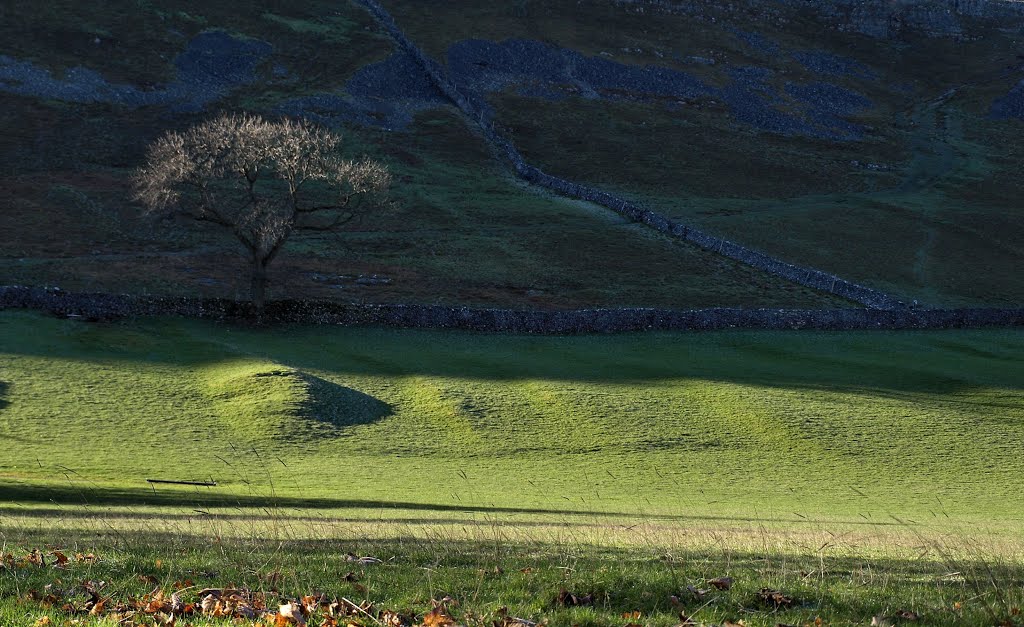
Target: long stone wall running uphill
<point x="102" y="307"/>
<point x="481" y="114"/>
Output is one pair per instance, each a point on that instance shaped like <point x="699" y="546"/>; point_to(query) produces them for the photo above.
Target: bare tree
<point x="261" y="180"/>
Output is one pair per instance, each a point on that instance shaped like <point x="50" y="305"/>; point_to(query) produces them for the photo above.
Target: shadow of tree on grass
<point x="49" y="501"/>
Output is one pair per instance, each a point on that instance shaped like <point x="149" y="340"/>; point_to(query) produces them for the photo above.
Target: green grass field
<point x="877" y="462"/>
<point x="836" y="425"/>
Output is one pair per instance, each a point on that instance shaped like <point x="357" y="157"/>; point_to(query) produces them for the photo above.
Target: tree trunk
<point x="259" y="285"/>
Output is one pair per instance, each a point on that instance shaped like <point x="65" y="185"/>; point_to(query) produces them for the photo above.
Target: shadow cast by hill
<point x="337" y="407"/>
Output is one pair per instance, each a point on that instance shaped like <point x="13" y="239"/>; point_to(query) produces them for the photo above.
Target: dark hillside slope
<point x="874" y="140"/>
<point x="828" y="136"/>
<point x="84" y="87"/>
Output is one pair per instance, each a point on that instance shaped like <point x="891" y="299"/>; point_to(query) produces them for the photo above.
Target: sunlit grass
<point x="481" y="562"/>
<point x="776" y="425"/>
<point x="860" y="473"/>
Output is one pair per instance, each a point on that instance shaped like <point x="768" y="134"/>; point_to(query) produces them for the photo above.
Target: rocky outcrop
<point x="212" y="64"/>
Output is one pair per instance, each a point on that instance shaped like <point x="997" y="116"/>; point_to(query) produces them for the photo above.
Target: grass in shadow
<point x="925" y="362"/>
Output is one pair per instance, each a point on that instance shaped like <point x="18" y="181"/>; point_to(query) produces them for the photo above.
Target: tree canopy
<point x="261" y="180"/>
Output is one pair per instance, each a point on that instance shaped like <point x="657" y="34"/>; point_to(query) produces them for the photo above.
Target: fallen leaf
<point x="437" y="618"/>
<point x="98" y="608"/>
<point x="273" y="579"/>
<point x="292" y="613"/>
<point x="177" y="605"/>
<point x="775" y="599"/>
<point x="907" y="615"/>
<point x="568" y="599"/>
<point x="634" y="615"/>
<point x="393" y="619"/>
<point x="155" y="605"/>
<point x="722" y="583"/>
<point x="43" y="622"/>
<point x="36" y="558"/>
<point x="697" y="592"/>
<point x="208" y="603"/>
<point x="311" y="602"/>
<point x="166" y="620"/>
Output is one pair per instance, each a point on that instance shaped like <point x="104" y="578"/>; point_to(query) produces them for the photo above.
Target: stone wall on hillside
<point x="107" y="307"/>
<point x="478" y="111"/>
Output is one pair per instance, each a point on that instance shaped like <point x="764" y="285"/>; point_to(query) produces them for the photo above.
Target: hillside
<point x="872" y="146"/>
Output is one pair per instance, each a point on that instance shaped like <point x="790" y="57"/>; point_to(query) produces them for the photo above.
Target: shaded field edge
<point x="105" y="307"/>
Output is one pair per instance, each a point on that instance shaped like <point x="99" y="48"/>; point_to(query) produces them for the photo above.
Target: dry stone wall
<point x="106" y="307"/>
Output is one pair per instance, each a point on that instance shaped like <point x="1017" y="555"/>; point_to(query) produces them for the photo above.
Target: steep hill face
<point x="874" y="140"/>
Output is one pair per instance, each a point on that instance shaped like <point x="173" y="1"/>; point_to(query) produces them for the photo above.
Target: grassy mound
<point x="261" y="403"/>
